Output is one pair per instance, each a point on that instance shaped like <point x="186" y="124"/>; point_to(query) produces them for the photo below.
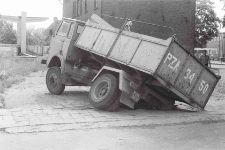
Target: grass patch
<point x="13" y="70"/>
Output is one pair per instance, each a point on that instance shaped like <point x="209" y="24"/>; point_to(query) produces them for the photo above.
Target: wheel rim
<point x="101" y="90"/>
<point x="53" y="80"/>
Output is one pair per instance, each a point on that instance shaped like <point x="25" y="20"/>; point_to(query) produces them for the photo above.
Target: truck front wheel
<point x="104" y="91"/>
<point x="54" y="82"/>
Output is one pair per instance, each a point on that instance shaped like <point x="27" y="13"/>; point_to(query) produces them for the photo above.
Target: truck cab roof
<point x="73" y="20"/>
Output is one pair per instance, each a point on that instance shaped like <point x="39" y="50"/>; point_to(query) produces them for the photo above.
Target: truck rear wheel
<point x="54" y="82"/>
<point x="115" y="105"/>
<point x="104" y="91"/>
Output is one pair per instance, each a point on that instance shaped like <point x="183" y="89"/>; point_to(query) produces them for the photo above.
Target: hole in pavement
<point x="140" y="105"/>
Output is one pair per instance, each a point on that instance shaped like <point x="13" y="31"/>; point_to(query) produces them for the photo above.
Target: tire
<point x="104" y="91"/>
<point x="115" y="105"/>
<point x="54" y="82"/>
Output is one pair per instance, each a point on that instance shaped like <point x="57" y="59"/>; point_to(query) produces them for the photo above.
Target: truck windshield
<point x="71" y="31"/>
<point x="64" y="28"/>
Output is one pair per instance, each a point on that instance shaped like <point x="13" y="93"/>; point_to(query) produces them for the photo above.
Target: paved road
<point x="33" y="109"/>
<point x="74" y="115"/>
<point x="201" y="136"/>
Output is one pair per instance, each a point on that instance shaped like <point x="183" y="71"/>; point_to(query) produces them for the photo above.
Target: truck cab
<point x="62" y="54"/>
<point x="62" y="42"/>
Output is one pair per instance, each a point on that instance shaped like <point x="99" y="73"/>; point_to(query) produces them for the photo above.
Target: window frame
<point x="95" y="4"/>
<point x="80" y="7"/>
<point x="70" y="33"/>
<point x="85" y="7"/>
<point x="78" y="14"/>
<point x="74" y="9"/>
<point x="66" y="33"/>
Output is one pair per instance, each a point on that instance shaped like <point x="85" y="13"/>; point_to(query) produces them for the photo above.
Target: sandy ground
<point x="33" y="90"/>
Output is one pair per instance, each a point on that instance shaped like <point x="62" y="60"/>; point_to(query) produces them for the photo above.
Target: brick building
<point x="178" y="14"/>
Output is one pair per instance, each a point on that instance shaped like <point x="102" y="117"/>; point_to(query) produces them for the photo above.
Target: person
<point x="128" y="25"/>
<point x="204" y="58"/>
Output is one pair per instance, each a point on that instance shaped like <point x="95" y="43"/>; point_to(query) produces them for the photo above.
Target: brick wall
<point x="178" y="14"/>
<point x="68" y="9"/>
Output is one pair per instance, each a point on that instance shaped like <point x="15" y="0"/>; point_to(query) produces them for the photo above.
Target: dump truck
<point x="124" y="67"/>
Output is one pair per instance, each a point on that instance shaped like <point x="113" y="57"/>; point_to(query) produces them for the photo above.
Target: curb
<point x="115" y="124"/>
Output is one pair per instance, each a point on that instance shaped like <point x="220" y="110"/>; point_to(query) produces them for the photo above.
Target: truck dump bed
<point x="166" y="60"/>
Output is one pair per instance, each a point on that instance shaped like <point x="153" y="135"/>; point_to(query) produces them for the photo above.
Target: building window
<point x="78" y="8"/>
<point x="85" y="6"/>
<point x="74" y="9"/>
<point x="95" y="4"/>
<point x="80" y="1"/>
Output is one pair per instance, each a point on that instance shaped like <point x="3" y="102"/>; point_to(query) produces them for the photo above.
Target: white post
<point x="23" y="32"/>
<point x="18" y="33"/>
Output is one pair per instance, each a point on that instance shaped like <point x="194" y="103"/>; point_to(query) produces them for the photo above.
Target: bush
<point x="13" y="70"/>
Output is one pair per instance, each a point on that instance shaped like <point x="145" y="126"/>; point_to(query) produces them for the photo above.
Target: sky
<point x="34" y="8"/>
<point x="218" y="8"/>
<point x="53" y="8"/>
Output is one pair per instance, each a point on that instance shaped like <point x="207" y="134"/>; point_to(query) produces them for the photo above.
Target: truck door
<point x="58" y="38"/>
<point x="69" y="51"/>
<point x="69" y="40"/>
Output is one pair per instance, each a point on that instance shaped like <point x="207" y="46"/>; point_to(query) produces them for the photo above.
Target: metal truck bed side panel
<point x="129" y="48"/>
<point x="148" y="56"/>
<point x="88" y="37"/>
<point x="204" y="88"/>
<point x="104" y="42"/>
<point x="97" y="40"/>
<point x="181" y="70"/>
<point x="172" y="63"/>
<point x="125" y="48"/>
<point x="189" y="75"/>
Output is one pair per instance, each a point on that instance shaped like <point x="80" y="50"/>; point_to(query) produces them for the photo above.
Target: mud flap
<point x="125" y="99"/>
<point x="128" y="87"/>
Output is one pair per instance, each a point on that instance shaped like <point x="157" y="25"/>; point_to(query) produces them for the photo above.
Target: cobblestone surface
<point x="39" y="111"/>
<point x="60" y="116"/>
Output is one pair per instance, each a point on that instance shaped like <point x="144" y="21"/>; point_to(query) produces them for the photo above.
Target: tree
<point x="223" y="4"/>
<point x="223" y="21"/>
<point x="206" y="23"/>
<point x="7" y="33"/>
<point x="35" y="36"/>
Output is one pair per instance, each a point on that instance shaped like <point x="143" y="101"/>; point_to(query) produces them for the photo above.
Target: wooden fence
<point x="11" y="50"/>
